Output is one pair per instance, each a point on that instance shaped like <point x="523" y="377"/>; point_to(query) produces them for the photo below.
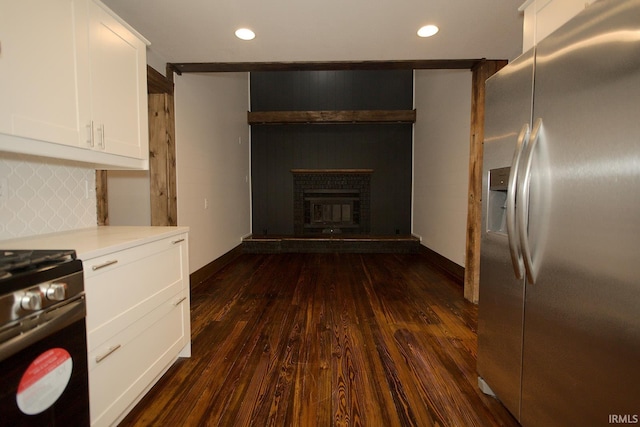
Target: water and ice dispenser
<point x="497" y="204"/>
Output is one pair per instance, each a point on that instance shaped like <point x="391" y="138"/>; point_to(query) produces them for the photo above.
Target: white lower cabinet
<point x="137" y="322"/>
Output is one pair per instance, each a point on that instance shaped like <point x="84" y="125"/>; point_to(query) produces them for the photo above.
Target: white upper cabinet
<point x="72" y="83"/>
<point x="118" y="86"/>
<point x="542" y="17"/>
<point x="41" y="60"/>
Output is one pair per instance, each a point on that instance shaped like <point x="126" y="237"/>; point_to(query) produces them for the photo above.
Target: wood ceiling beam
<point x="331" y="117"/>
<point x="421" y="64"/>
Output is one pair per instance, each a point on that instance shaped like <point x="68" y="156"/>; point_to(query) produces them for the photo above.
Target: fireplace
<point x="331" y="201"/>
<point x="331" y="211"/>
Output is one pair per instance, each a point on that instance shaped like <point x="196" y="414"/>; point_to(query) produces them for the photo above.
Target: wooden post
<point x="162" y="163"/>
<point x="481" y="72"/>
<point x="162" y="148"/>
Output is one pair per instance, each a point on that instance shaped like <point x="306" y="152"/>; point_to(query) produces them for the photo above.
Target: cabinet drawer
<point x="124" y="286"/>
<point x="126" y="365"/>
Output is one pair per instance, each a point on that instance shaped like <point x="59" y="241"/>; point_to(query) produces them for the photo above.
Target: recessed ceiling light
<point x="245" y="34"/>
<point x="428" y="31"/>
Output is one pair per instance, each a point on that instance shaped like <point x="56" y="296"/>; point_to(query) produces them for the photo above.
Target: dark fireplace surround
<point x="331" y="201"/>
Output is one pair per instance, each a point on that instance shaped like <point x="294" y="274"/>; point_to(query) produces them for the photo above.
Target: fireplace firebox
<point x="332" y="211"/>
<point x="331" y="201"/>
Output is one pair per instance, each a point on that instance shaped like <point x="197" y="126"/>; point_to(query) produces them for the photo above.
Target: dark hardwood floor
<point x="326" y="340"/>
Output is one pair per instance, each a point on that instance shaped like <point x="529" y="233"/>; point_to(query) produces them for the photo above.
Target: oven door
<point x="44" y="380"/>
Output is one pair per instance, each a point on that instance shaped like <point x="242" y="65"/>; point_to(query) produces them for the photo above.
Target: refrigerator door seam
<point x="524" y="181"/>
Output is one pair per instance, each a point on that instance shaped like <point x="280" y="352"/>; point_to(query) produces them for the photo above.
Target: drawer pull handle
<point x="177" y="303"/>
<point x="104" y="264"/>
<point x="175" y="242"/>
<point x="108" y="353"/>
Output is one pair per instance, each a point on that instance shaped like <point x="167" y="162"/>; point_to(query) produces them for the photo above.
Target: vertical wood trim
<point x="162" y="181"/>
<point x="162" y="149"/>
<point x="102" y="201"/>
<point x="481" y="72"/>
<point x="157" y="159"/>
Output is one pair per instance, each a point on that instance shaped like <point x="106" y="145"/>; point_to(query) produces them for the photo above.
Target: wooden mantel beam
<point x="331" y="117"/>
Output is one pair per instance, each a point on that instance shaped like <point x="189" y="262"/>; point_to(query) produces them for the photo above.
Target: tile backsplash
<point x="39" y="195"/>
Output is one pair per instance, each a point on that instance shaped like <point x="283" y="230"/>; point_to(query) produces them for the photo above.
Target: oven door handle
<point x="55" y="320"/>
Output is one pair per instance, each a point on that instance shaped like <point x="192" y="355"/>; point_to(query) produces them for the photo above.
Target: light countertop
<point x="93" y="242"/>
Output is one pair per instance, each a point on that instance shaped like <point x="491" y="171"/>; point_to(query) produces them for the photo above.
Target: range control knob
<point x="31" y="300"/>
<point x="56" y="292"/>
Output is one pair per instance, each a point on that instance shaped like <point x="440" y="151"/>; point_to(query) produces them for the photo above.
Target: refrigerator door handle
<point x="524" y="181"/>
<point x="512" y="231"/>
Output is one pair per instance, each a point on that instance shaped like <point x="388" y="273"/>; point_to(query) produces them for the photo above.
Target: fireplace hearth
<point x="331" y="201"/>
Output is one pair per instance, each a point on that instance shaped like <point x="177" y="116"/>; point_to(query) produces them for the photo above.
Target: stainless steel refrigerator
<point x="559" y="307"/>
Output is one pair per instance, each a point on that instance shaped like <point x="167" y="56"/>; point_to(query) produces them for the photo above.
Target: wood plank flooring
<point x="326" y="340"/>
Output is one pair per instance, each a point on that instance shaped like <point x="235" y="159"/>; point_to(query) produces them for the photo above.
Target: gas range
<point x="43" y="345"/>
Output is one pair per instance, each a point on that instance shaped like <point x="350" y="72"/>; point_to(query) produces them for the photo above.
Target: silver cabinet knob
<point x="57" y="292"/>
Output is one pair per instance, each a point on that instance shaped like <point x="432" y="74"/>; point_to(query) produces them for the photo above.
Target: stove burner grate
<point x="13" y="261"/>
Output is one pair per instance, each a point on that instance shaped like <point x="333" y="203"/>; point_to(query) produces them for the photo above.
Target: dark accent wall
<point x="386" y="148"/>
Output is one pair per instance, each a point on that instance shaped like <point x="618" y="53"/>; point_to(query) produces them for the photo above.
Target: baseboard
<point x="202" y="274"/>
<point x="455" y="271"/>
<point x="331" y="244"/>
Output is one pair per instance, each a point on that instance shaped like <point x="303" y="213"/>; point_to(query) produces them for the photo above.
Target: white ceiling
<point x="325" y="30"/>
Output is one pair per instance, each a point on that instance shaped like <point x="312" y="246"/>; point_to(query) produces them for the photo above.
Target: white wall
<point x="129" y="198"/>
<point x="212" y="156"/>
<point x="156" y="60"/>
<point x="441" y="160"/>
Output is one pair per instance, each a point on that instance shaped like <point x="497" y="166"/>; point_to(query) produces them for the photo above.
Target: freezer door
<point x="508" y="107"/>
<point x="582" y="324"/>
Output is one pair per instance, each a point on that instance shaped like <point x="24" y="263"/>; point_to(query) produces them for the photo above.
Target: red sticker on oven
<point x="44" y="381"/>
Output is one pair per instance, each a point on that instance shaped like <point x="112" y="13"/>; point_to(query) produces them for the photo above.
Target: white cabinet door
<point x="118" y="86"/>
<point x="43" y="67"/>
